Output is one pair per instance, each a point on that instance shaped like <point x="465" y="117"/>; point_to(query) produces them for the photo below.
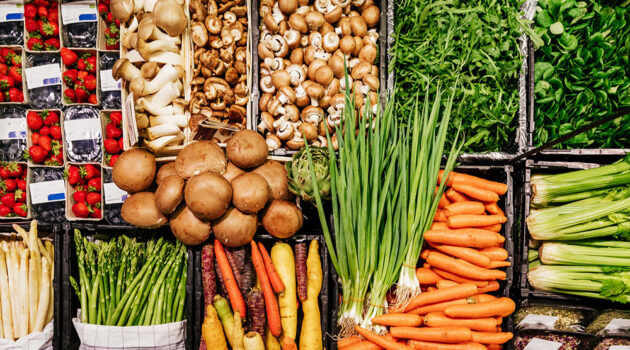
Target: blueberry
<point x="110" y="99"/>
<point x="47" y="96"/>
<point x="83" y="150"/>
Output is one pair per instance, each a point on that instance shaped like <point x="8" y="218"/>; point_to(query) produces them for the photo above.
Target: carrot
<point x="501" y="307"/>
<point x="455" y="278"/>
<point x="468" y="207"/>
<point x="439" y="225"/>
<point x="455" y="292"/>
<point x="496" y="264"/>
<point x="300" y="269"/>
<point x="445" y="284"/>
<point x="426" y="276"/>
<point x="493" y="228"/>
<point x="460" y="267"/>
<point x="431" y="288"/>
<point x="440" y="216"/>
<point x="451" y="177"/>
<point x="494" y="208"/>
<point x="491" y="337"/>
<point x="444" y="202"/>
<point x="437" y="334"/>
<point x="423" y="345"/>
<point x="499" y="322"/>
<point x="288" y="343"/>
<point x="208" y="279"/>
<point x="479" y="298"/>
<point x="274" y="278"/>
<point x="256" y="308"/>
<point x="464" y="253"/>
<point x="439" y="319"/>
<point x="398" y="319"/>
<point x="380" y="340"/>
<point x="470" y="237"/>
<point x="236" y="298"/>
<point x="347" y="341"/>
<point x="496" y="187"/>
<point x="362" y="345"/>
<point x="271" y="303"/>
<point x="495" y="253"/>
<point x="468" y="220"/>
<point x="491" y="287"/>
<point x="455" y="196"/>
<point x="475" y="192"/>
<point x="494" y="347"/>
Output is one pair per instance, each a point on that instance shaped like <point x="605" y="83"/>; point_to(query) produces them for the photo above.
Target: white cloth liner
<point x="34" y="341"/>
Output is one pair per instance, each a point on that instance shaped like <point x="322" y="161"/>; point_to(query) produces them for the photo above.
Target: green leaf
<point x="543" y="19"/>
<point x="568" y="42"/>
<point x="556" y="28"/>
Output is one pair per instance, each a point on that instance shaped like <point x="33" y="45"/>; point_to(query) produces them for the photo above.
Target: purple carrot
<point x="256" y="311"/>
<point x="300" y="269"/>
<point x="235" y="264"/>
<point x="208" y="277"/>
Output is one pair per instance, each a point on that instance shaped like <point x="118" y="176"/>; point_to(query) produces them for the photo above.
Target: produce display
<point x="41" y="25"/>
<point x="11" y="77"/>
<point x="46" y="138"/>
<point x="13" y="190"/>
<point x="79" y="79"/>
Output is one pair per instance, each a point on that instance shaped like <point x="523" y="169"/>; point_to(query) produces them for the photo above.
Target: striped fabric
<point x="169" y="336"/>
<point x="34" y="341"/>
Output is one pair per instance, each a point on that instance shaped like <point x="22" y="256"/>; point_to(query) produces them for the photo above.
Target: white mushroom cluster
<point x="303" y="47"/>
<point x="220" y="61"/>
<point x="154" y="41"/>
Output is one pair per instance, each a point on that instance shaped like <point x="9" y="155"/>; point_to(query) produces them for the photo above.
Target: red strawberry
<point x="93" y="198"/>
<point x="4" y="52"/>
<point x="5" y="211"/>
<point x="102" y="8"/>
<point x="4" y="69"/>
<point x="80" y="210"/>
<point x="37" y="154"/>
<point x="96" y="212"/>
<point x="92" y="172"/>
<point x="113" y="160"/>
<point x="21" y="184"/>
<point x="50" y="118"/>
<point x="8" y="200"/>
<point x="68" y="57"/>
<point x="15" y="72"/>
<point x="94" y="185"/>
<point x="20" y="209"/>
<point x="34" y="121"/>
<point x="2" y="97"/>
<point x="8" y="185"/>
<point x="111" y="146"/>
<point x="81" y="63"/>
<point x="73" y="178"/>
<point x="45" y="142"/>
<point x="55" y="132"/>
<point x="90" y="82"/>
<point x="112" y="131"/>
<point x="69" y="96"/>
<point x="116" y="118"/>
<point x="53" y="16"/>
<point x="4" y="172"/>
<point x="59" y="156"/>
<point x="30" y="24"/>
<point x="70" y="76"/>
<point x="30" y="11"/>
<point x="42" y="12"/>
<point x="80" y="188"/>
<point x="44" y="131"/>
<point x="49" y="29"/>
<point x="52" y="44"/>
<point x="14" y="169"/>
<point x="6" y="83"/>
<point x="121" y="144"/>
<point x="16" y="95"/>
<point x="92" y="99"/>
<point x="81" y="93"/>
<point x="20" y="196"/>
<point x="52" y="161"/>
<point x="79" y="196"/>
<point x="90" y="64"/>
<point x="35" y="44"/>
<point x="81" y="75"/>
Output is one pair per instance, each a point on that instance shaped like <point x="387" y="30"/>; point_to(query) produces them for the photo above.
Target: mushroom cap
<point x="198" y="157"/>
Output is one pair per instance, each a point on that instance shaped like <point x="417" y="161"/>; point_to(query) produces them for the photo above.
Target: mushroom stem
<point x="178" y="119"/>
<point x="157" y="145"/>
<point x="166" y="129"/>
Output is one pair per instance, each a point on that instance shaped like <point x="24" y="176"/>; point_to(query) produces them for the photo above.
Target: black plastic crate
<point x="268" y="241"/>
<point x="70" y="339"/>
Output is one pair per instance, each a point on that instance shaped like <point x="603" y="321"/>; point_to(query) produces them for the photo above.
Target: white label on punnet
<point x="40" y="76"/>
<point x="542" y="344"/>
<point x="113" y="194"/>
<point x="619" y="347"/>
<point x="531" y="319"/>
<point x="11" y="12"/>
<point x="82" y="129"/>
<point x="76" y="12"/>
<point x="108" y="83"/>
<point x="48" y="191"/>
<point x="618" y="324"/>
<point x="13" y="128"/>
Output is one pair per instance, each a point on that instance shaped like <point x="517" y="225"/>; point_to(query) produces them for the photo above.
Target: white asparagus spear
<point x="5" y="300"/>
<point x="44" y="298"/>
<point x="13" y="268"/>
<point x="23" y="297"/>
<point x="33" y="292"/>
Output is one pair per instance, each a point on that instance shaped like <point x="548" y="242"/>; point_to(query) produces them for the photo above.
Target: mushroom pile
<point x="154" y="41"/>
<point x="220" y="92"/>
<point x="206" y="191"/>
<point x="302" y="48"/>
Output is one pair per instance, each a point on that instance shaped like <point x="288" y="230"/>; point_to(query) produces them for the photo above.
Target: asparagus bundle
<point x="125" y="282"/>
<point x="26" y="294"/>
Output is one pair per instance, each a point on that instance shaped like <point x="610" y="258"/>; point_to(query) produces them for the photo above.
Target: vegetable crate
<point x="69" y="336"/>
<point x="498" y="173"/>
<point x="53" y="232"/>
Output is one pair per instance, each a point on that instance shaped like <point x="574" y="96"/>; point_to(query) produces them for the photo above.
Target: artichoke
<point x="300" y="176"/>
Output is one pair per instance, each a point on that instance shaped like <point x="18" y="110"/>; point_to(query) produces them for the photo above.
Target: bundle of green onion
<point x="125" y="282"/>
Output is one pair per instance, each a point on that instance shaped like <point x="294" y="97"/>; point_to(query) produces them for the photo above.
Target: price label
<point x="533" y="319"/>
<point x="13" y="128"/>
<point x="618" y="324"/>
<point x="75" y="12"/>
<point x="113" y="194"/>
<point x="82" y="129"/>
<point x="542" y="344"/>
<point x="40" y="76"/>
<point x="48" y="191"/>
<point x="11" y="12"/>
<point x="108" y="83"/>
<point x="129" y="117"/>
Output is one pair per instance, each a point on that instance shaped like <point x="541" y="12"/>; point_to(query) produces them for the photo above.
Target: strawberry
<point x="34" y="120"/>
<point x="90" y="82"/>
<point x="14" y="169"/>
<point x="8" y="185"/>
<point x="70" y="76"/>
<point x="94" y="185"/>
<point x="2" y="97"/>
<point x="93" y="198"/>
<point x="20" y="209"/>
<point x="21" y="184"/>
<point x="55" y="132"/>
<point x="45" y="142"/>
<point x="50" y="118"/>
<point x="6" y="83"/>
<point x="92" y="172"/>
<point x="15" y="73"/>
<point x="92" y="99"/>
<point x="37" y="154"/>
<point x="112" y="131"/>
<point x="111" y="146"/>
<point x="73" y="178"/>
<point x="81" y="93"/>
<point x="96" y="212"/>
<point x="35" y="43"/>
<point x="79" y="196"/>
<point x="90" y="64"/>
<point x="16" y="95"/>
<point x="15" y="60"/>
<point x="49" y="29"/>
<point x="81" y="63"/>
<point x="52" y="44"/>
<point x="69" y="96"/>
<point x="8" y="200"/>
<point x="52" y="161"/>
<point x="5" y="211"/>
<point x="80" y="210"/>
<point x="113" y="160"/>
<point x="30" y="24"/>
<point x="81" y="75"/>
<point x="121" y="144"/>
<point x="4" y="172"/>
<point x="116" y="118"/>
<point x="42" y="12"/>
<point x="102" y="9"/>
<point x="30" y="11"/>
<point x="68" y="57"/>
<point x="53" y="16"/>
<point x="44" y="131"/>
<point x="20" y="196"/>
<point x="59" y="156"/>
<point x="4" y="69"/>
<point x="34" y="138"/>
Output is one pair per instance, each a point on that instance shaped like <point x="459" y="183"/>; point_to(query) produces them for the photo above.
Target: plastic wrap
<point x="52" y="207"/>
<point x="83" y="137"/>
<point x="82" y="31"/>
<point x="11" y="23"/>
<point x="552" y="317"/>
<point x="49" y="95"/>
<point x="12" y="133"/>
<point x="613" y="343"/>
<point x="549" y="341"/>
<point x="610" y="322"/>
<point x="110" y="96"/>
<point x="113" y="198"/>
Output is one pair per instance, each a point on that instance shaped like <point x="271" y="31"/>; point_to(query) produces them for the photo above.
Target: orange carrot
<point x="437" y="334"/>
<point x="491" y="287"/>
<point x="451" y="177"/>
<point x="494" y="347"/>
<point x="459" y="291"/>
<point x="499" y="321"/>
<point x="498" y="274"/>
<point x="439" y="216"/>
<point x="497" y="264"/>
<point x="362" y="345"/>
<point x="479" y="298"/>
<point x="468" y="207"/>
<point x="341" y="343"/>
<point x="467" y="220"/>
<point x="431" y="288"/>
<point x="493" y="208"/>
<point x="455" y="196"/>
<point x="397" y="319"/>
<point x="495" y="253"/>
<point x="236" y="298"/>
<point x="380" y="340"/>
<point x="491" y="337"/>
<point x="455" y="278"/>
<point x="470" y="237"/>
<point x="439" y="319"/>
<point x="423" y="345"/>
<point x="464" y="253"/>
<point x="444" y="202"/>
<point x="496" y="187"/>
<point x="500" y="307"/>
<point x="445" y="284"/>
<point x="288" y="343"/>
<point x="274" y="278"/>
<point x="460" y="267"/>
<point x="271" y="303"/>
<point x="439" y="225"/>
<point x="493" y="228"/>
<point x="426" y="276"/>
<point x="475" y="192"/>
